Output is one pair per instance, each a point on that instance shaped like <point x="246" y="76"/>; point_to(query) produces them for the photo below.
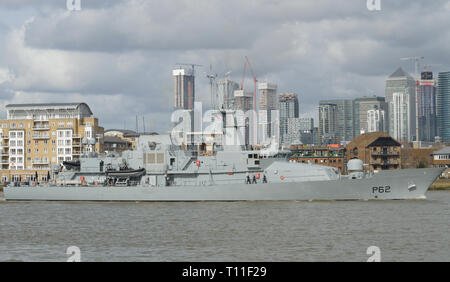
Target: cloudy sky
<point x="117" y="55"/>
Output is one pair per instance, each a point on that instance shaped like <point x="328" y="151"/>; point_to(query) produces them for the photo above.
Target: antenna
<point x="143" y="123"/>
<point x="416" y="63"/>
<point x="212" y="77"/>
<point x="137" y="128"/>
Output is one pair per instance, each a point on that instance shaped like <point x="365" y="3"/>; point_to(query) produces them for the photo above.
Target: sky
<point x="117" y="55"/>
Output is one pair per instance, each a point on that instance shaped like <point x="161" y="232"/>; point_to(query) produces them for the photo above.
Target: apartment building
<point x="37" y="137"/>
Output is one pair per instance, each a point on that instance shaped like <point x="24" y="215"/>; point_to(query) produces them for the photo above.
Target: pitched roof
<point x="384" y="141"/>
<point x="443" y="151"/>
<point x="365" y="139"/>
<point x="48" y="106"/>
<point x="114" y="139"/>
<point x="399" y="73"/>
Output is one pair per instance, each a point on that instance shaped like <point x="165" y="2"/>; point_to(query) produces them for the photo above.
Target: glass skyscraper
<point x="344" y="118"/>
<point x="426" y="108"/>
<point x="289" y="108"/>
<point x="400" y="82"/>
<point x="443" y="106"/>
<point x="361" y="108"/>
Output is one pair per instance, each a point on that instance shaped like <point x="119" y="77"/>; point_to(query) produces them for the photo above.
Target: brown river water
<point x="416" y="230"/>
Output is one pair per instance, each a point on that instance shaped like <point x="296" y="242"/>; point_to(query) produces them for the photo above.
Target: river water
<point x="416" y="230"/>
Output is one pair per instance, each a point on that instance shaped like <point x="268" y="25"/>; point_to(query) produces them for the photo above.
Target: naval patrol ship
<point x="158" y="171"/>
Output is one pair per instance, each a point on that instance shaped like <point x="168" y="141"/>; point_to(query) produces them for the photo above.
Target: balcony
<point x="41" y="127"/>
<point x="40" y="118"/>
<point x="76" y="144"/>
<point x="40" y="161"/>
<point x="76" y="136"/>
<point x="385" y="153"/>
<point x="384" y="162"/>
<point x="4" y="137"/>
<point x="41" y="136"/>
<point x="4" y="154"/>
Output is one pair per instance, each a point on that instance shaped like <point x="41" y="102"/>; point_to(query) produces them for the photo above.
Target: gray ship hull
<point x="394" y="184"/>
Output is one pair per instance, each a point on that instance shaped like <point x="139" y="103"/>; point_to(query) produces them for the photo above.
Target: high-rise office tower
<point x="268" y="105"/>
<point x="328" y="123"/>
<point x="288" y="104"/>
<point x="375" y="120"/>
<point x="361" y="107"/>
<point x="426" y="89"/>
<point x="443" y="106"/>
<point x="299" y="129"/>
<point x="399" y="113"/>
<point x="344" y="118"/>
<point x="243" y="103"/>
<point x="401" y="82"/>
<point x="242" y="100"/>
<point x="184" y="88"/>
<point x="225" y="93"/>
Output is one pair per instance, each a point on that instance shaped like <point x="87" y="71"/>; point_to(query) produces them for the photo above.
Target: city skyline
<point x="321" y="51"/>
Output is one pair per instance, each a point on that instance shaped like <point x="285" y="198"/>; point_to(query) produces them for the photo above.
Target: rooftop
<point x="384" y="141"/>
<point x="48" y="106"/>
<point x="443" y="151"/>
<point x="399" y="73"/>
<point x="114" y="139"/>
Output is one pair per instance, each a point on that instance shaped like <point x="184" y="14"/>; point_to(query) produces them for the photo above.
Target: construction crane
<point x="416" y="61"/>
<point x="191" y="65"/>
<point x="255" y="80"/>
<point x="426" y="66"/>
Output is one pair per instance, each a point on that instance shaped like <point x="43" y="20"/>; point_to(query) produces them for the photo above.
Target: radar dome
<point x="355" y="165"/>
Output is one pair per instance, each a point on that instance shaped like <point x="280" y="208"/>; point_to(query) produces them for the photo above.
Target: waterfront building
<point x="116" y="144"/>
<point x="443" y="106"/>
<point x="37" y="137"/>
<point x="441" y="158"/>
<point x="377" y="150"/>
<point x="125" y="134"/>
<point x="330" y="155"/>
<point x="401" y="86"/>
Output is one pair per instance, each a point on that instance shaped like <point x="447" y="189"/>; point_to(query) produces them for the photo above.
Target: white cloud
<point x="117" y="55"/>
